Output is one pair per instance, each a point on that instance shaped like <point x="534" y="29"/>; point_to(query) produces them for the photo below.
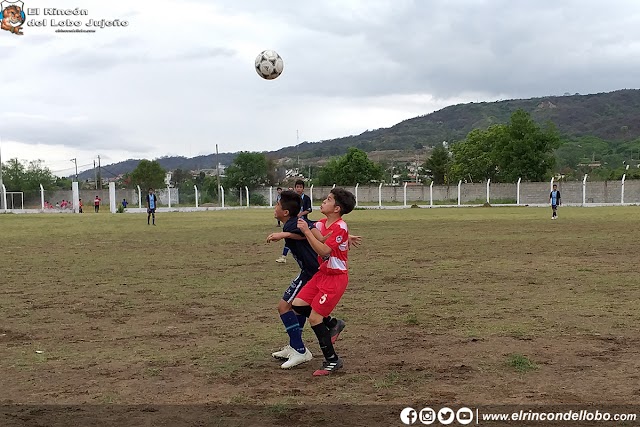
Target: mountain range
<point x="611" y="116"/>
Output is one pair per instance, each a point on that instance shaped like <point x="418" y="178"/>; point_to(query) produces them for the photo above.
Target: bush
<point x="256" y="199"/>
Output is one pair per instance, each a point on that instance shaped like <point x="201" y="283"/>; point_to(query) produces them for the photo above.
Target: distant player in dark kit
<point x="554" y="199"/>
<point x="152" y="202"/>
<point x="321" y="294"/>
<point x="286" y="210"/>
<point x="279" y="190"/>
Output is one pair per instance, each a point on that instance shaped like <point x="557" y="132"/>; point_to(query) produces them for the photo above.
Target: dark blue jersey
<point x="306" y="205"/>
<point x="302" y="251"/>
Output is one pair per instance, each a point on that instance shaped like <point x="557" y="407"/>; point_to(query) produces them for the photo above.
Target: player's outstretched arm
<point x="354" y="241"/>
<point x="274" y="237"/>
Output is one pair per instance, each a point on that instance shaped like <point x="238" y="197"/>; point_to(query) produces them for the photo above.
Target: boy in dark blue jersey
<point x="287" y="210"/>
<point x="554" y="199"/>
<point x="305" y="209"/>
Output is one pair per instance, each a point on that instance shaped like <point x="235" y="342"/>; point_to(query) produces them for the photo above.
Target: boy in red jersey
<point x="321" y="294"/>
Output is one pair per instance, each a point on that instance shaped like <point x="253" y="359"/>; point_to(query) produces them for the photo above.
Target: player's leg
<point x="330" y="290"/>
<point x="291" y="323"/>
<point x="153" y="216"/>
<point x="300" y="291"/>
<point x="283" y="257"/>
<point x="148" y="216"/>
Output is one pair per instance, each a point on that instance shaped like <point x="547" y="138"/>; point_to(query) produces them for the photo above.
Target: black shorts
<point x="151" y="211"/>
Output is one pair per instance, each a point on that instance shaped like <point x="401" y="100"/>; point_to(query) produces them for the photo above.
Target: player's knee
<point x="283" y="306"/>
<point x="303" y="310"/>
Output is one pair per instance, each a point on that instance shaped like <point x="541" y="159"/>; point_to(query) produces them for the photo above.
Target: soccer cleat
<point x="335" y="331"/>
<point x="282" y="260"/>
<point x="284" y="353"/>
<point x="296" y="359"/>
<point x="328" y="368"/>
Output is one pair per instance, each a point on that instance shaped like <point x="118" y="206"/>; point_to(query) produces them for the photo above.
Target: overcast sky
<point x="180" y="77"/>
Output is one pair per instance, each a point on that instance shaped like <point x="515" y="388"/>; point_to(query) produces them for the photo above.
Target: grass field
<point x="454" y="306"/>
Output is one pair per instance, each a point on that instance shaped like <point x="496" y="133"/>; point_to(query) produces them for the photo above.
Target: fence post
<point x="271" y="196"/>
<point x="488" y="184"/>
<point x="139" y="197"/>
<point x="431" y="194"/>
<point x="169" y="193"/>
<point x="222" y="195"/>
<point x="334" y="186"/>
<point x="405" y="194"/>
<point x="75" y="190"/>
<point x="41" y="197"/>
<point x="551" y="184"/>
<point x="3" y="193"/>
<point x="459" y="186"/>
<point x="195" y="188"/>
<point x="622" y="195"/>
<point x="357" y="185"/>
<point x="112" y="197"/>
<point x="380" y="195"/>
<point x="246" y="189"/>
<point x="518" y="192"/>
<point x="311" y="195"/>
<point x="584" y="190"/>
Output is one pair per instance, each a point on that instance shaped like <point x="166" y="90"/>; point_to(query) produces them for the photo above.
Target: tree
<point x="350" y="169"/>
<point x="148" y="174"/>
<point x="12" y="174"/>
<point x="248" y="169"/>
<point x="525" y="150"/>
<point x="17" y="177"/>
<point x="329" y="173"/>
<point x="473" y="158"/>
<point x="504" y="153"/>
<point x="438" y="164"/>
<point x="180" y="176"/>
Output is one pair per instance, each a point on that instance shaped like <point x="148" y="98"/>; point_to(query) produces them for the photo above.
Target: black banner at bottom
<point x="284" y="415"/>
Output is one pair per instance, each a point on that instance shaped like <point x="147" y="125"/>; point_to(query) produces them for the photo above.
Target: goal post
<point x="15" y="200"/>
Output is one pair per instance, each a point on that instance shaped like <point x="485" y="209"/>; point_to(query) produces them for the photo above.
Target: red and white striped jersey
<point x="336" y="263"/>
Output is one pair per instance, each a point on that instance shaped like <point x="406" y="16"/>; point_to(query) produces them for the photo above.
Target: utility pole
<point x="95" y="176"/>
<point x="99" y="173"/>
<point x="74" y="160"/>
<point x="298" y="143"/>
<point x="218" y="174"/>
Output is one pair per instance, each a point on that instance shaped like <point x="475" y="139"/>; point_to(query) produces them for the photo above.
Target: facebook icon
<point x="408" y="416"/>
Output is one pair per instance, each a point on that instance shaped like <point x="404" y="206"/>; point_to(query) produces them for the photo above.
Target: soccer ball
<point x="269" y="64"/>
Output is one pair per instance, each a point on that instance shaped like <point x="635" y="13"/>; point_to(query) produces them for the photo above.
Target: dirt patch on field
<point x="486" y="312"/>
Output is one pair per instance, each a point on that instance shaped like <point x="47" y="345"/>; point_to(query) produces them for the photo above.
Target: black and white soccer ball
<point x="269" y="64"/>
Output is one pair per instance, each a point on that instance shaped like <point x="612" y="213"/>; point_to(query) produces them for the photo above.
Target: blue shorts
<point x="294" y="288"/>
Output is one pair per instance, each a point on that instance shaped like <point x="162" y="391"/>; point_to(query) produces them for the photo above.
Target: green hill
<point x="604" y="126"/>
<point x="610" y="116"/>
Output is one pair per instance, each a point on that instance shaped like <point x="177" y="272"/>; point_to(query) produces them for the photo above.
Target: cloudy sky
<point x="180" y="77"/>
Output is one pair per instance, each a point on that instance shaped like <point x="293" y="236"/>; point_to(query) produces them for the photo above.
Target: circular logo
<point x="408" y="416"/>
<point x="427" y="416"/>
<point x="446" y="415"/>
<point x="464" y="416"/>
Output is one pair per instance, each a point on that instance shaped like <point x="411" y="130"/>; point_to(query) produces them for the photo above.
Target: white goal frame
<point x="10" y="200"/>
